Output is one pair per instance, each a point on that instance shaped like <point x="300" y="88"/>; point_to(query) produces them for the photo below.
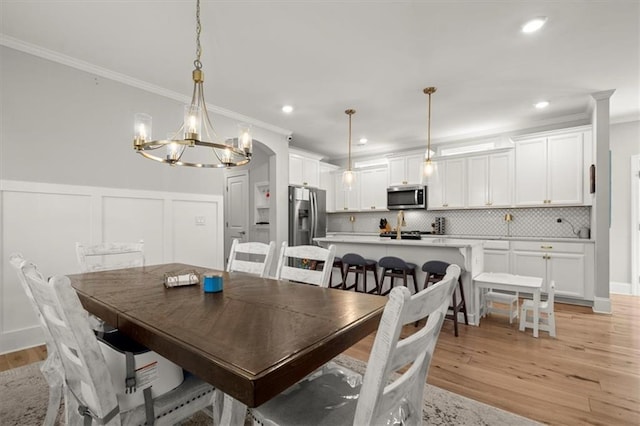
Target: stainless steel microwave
<point x="405" y="197"/>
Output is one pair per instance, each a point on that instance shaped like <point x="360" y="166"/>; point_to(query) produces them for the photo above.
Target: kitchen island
<point x="466" y="253"/>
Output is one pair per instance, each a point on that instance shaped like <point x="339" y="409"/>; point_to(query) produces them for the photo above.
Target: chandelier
<point x="196" y="130"/>
<point x="428" y="164"/>
<point x="348" y="177"/>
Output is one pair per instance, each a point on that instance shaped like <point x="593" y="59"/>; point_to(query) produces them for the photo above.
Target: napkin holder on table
<point x="179" y="280"/>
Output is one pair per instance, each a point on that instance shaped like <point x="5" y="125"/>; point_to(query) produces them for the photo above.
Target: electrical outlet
<point x="201" y="221"/>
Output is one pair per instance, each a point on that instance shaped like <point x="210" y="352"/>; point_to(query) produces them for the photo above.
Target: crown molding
<point x="41" y="52"/>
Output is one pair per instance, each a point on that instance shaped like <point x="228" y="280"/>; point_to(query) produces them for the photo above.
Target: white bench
<point x="517" y="283"/>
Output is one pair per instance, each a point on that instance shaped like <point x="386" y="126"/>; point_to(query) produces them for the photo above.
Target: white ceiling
<point x="375" y="56"/>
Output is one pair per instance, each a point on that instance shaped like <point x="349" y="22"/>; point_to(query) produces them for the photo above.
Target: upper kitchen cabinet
<point x="373" y="188"/>
<point x="304" y="169"/>
<point x="327" y="172"/>
<point x="490" y="180"/>
<point x="446" y="185"/>
<point x="550" y="168"/>
<point x="406" y="170"/>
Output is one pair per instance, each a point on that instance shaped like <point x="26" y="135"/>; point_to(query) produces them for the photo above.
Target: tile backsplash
<point x="526" y="222"/>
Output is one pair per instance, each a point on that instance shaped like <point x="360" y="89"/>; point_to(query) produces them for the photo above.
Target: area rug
<point x="24" y="395"/>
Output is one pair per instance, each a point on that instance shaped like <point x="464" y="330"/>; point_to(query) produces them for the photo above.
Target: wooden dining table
<point x="251" y="341"/>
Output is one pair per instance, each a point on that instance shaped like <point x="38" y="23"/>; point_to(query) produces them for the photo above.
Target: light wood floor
<point x="590" y="374"/>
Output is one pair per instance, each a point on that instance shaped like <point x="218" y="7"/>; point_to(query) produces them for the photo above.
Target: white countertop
<point x="466" y="237"/>
<point x="376" y="239"/>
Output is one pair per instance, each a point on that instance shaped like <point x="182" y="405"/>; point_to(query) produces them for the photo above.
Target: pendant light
<point x="428" y="164"/>
<point x="348" y="177"/>
<point x="196" y="130"/>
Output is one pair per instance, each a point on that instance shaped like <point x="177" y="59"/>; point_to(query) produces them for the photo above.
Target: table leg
<point x="536" y="312"/>
<point x="233" y="412"/>
<point x="476" y="302"/>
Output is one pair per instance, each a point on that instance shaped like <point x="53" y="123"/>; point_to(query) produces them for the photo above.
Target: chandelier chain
<point x="197" y="62"/>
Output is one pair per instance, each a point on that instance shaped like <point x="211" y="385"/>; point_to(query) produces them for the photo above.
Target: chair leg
<point x="375" y="276"/>
<point x="523" y="318"/>
<point x="364" y="279"/>
<point x="464" y="303"/>
<point x="455" y="314"/>
<point x="551" y="320"/>
<point x="415" y="281"/>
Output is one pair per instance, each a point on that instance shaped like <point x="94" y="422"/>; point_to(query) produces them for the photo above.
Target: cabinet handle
<point x="546" y="247"/>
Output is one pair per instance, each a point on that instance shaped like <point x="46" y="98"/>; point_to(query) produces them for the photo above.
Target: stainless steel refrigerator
<point x="307" y="215"/>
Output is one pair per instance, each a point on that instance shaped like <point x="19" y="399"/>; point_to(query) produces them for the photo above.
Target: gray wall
<point x="624" y="142"/>
<point x="62" y="125"/>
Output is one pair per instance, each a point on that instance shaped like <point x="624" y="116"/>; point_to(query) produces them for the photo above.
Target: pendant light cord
<point x="429" y="91"/>
<point x="349" y="141"/>
<point x="197" y="62"/>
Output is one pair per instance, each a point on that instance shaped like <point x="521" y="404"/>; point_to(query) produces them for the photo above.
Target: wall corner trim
<point x="602" y="305"/>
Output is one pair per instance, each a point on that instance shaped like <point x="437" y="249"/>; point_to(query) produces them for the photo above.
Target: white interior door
<point x="236" y="208"/>
<point x="635" y="225"/>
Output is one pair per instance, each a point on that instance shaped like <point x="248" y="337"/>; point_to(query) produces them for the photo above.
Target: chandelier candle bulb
<point x="245" y="140"/>
<point x="192" y="121"/>
<point x="142" y="128"/>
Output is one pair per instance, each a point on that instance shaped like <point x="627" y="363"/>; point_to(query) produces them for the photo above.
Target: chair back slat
<point x="390" y="353"/>
<point x="85" y="369"/>
<point x="252" y="257"/>
<point x="108" y="256"/>
<point x="296" y="264"/>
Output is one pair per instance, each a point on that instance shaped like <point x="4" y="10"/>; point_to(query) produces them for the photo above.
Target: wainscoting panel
<point x="44" y="228"/>
<point x="134" y="219"/>
<point x="43" y="222"/>
<point x="197" y="233"/>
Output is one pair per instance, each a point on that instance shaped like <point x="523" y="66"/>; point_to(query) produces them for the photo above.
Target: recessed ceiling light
<point x="287" y="109"/>
<point x="541" y="104"/>
<point x="534" y="25"/>
<point x="363" y="141"/>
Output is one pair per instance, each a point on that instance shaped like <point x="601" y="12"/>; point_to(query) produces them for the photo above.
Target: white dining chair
<point x="107" y="256"/>
<point x="242" y="257"/>
<point x="51" y="368"/>
<point x="547" y="320"/>
<point x="90" y="392"/>
<point x="334" y="395"/>
<point x="306" y="264"/>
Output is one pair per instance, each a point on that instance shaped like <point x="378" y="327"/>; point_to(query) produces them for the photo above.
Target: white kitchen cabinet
<point x="304" y="170"/>
<point x="565" y="263"/>
<point x="373" y="188"/>
<point x="489" y="180"/>
<point x="327" y="172"/>
<point x="346" y="200"/>
<point x="497" y="256"/>
<point x="406" y="170"/>
<point x="549" y="169"/>
<point x="446" y="185"/>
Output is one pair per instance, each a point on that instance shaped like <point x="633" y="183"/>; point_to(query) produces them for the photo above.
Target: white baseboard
<point x="620" y="288"/>
<point x="21" y="339"/>
<point x="601" y="305"/>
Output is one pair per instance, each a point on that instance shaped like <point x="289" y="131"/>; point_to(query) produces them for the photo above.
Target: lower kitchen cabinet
<point x="564" y="263"/>
<point x="569" y="264"/>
